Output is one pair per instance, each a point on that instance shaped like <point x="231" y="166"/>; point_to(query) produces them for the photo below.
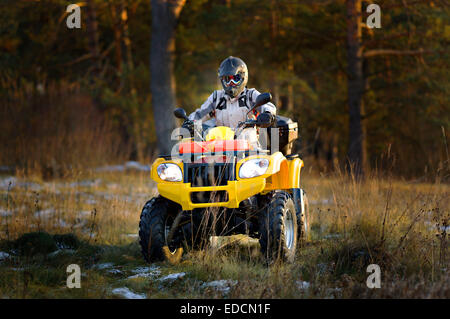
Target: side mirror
<point x="262" y="99"/>
<point x="180" y="113"/>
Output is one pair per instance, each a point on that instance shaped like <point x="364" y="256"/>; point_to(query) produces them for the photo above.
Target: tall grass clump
<point x="53" y="129"/>
<point x="402" y="227"/>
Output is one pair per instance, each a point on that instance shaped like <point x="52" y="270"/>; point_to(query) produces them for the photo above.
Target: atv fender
<point x="285" y="173"/>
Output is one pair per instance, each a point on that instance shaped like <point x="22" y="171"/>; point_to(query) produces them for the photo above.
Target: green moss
<point x="36" y="243"/>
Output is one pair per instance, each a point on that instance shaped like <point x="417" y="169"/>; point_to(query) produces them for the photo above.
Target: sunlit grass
<point x="400" y="226"/>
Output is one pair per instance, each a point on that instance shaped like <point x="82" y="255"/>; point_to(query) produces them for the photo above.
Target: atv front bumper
<point x="237" y="191"/>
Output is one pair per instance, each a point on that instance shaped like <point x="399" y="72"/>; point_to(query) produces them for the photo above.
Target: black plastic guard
<point x="296" y="196"/>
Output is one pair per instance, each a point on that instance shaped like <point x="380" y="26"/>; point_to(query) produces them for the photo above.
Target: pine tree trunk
<point x="274" y="85"/>
<point x="91" y="25"/>
<point x="290" y="87"/>
<point x="115" y="15"/>
<point x="164" y="19"/>
<point x="127" y="39"/>
<point x="356" y="152"/>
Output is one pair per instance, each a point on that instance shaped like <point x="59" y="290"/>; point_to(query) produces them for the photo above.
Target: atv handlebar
<point x="242" y="125"/>
<point x="248" y="123"/>
<point x="257" y="122"/>
<point x="261" y="99"/>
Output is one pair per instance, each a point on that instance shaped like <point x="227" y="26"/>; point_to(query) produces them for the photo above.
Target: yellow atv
<point x="222" y="185"/>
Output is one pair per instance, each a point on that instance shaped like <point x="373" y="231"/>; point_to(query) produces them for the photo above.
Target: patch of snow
<point x="140" y="270"/>
<point x="140" y="276"/>
<point x="127" y="293"/>
<point x="132" y="235"/>
<point x="4" y="255"/>
<point x="118" y="197"/>
<point x="223" y="285"/>
<point x="137" y="166"/>
<point x="433" y="226"/>
<point x="45" y="213"/>
<point x="91" y="201"/>
<point x="302" y="284"/>
<point x="86" y="183"/>
<point x="131" y="165"/>
<point x="332" y="236"/>
<point x="110" y="168"/>
<point x="30" y="186"/>
<point x="444" y="228"/>
<point x="173" y="277"/>
<point x="61" y="251"/>
<point x="8" y="182"/>
<point x="63" y="246"/>
<point x="84" y="213"/>
<point x="11" y="182"/>
<point x="62" y="223"/>
<point x="5" y="168"/>
<point x="104" y="266"/>
<point x="323" y="201"/>
<point x="115" y="271"/>
<point x="5" y="213"/>
<point x="145" y="272"/>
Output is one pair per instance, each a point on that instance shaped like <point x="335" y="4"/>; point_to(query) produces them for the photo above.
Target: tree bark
<point x="356" y="153"/>
<point x="290" y="87"/>
<point x="126" y="39"/>
<point x="92" y="30"/>
<point x="164" y="18"/>
<point x="115" y="12"/>
<point x="274" y="85"/>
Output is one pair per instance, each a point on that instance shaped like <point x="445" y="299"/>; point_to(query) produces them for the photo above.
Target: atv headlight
<point x="254" y="167"/>
<point x="169" y="172"/>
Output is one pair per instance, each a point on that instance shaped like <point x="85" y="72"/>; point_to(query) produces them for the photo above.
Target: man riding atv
<point x="227" y="182"/>
<point x="229" y="107"/>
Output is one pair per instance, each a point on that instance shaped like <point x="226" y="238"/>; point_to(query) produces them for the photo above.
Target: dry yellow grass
<point x="104" y="207"/>
<point x="400" y="226"/>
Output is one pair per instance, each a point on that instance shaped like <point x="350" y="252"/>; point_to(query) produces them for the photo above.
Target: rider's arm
<point x="204" y="112"/>
<point x="268" y="107"/>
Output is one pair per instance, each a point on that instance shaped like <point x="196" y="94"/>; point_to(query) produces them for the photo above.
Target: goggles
<point x="232" y="80"/>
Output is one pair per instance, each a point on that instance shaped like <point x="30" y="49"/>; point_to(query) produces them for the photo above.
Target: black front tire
<point x="155" y="217"/>
<point x="278" y="228"/>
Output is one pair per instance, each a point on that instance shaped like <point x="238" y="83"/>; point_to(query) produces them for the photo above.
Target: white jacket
<point x="227" y="111"/>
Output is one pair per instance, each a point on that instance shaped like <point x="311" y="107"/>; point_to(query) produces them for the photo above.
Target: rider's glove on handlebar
<point x="265" y="119"/>
<point x="188" y="124"/>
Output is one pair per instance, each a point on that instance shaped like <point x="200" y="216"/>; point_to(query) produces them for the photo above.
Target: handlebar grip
<point x="250" y="123"/>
